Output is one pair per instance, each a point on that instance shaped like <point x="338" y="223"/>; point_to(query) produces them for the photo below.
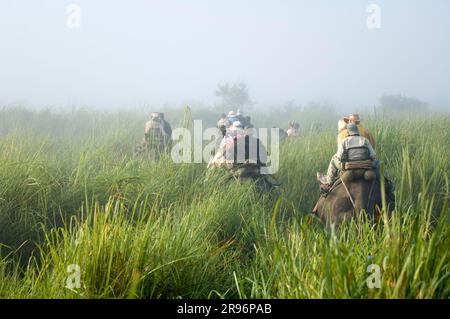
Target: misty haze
<point x="194" y="149"/>
<point x="176" y="52"/>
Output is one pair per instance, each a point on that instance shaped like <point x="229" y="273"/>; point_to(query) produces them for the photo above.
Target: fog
<point x="131" y="53"/>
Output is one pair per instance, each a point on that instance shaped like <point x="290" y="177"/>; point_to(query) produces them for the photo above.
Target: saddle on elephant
<point x="349" y="175"/>
<point x="358" y="162"/>
<point x="246" y="169"/>
<point x="365" y="164"/>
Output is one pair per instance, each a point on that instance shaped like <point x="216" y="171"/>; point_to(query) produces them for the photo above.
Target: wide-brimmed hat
<point x="354" y="118"/>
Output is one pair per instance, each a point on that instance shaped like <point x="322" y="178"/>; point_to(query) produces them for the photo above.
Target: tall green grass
<point x="72" y="193"/>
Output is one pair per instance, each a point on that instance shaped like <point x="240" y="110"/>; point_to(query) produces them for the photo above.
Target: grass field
<point x="73" y="198"/>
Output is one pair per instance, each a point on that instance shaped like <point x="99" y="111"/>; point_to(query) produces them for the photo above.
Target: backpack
<point x="355" y="149"/>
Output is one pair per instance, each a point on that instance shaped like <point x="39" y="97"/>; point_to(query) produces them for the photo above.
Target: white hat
<point x="231" y="113"/>
<point x="236" y="125"/>
<point x="154" y="115"/>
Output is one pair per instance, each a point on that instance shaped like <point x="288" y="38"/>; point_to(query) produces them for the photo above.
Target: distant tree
<point x="400" y="103"/>
<point x="235" y="96"/>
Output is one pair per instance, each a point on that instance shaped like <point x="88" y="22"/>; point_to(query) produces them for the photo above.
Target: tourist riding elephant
<point x="243" y="155"/>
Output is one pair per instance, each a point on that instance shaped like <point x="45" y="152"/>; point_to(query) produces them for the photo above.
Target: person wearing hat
<point x="232" y="117"/>
<point x="234" y="132"/>
<point x="158" y="122"/>
<point x="293" y="130"/>
<point x="355" y="119"/>
<point x="157" y="135"/>
<point x="354" y="147"/>
<point x="241" y="118"/>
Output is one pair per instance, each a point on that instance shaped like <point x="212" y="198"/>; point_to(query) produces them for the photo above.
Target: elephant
<point x="354" y="193"/>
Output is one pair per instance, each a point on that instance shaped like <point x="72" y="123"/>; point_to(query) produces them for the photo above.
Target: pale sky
<point x="132" y="52"/>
